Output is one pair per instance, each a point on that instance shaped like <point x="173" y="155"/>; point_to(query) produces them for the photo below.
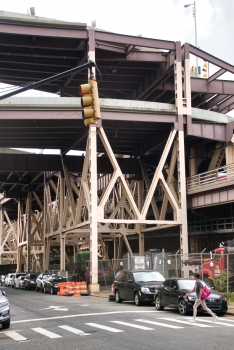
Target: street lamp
<point x="195" y="24"/>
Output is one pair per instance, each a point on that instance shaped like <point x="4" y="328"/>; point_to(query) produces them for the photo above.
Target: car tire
<point x="117" y="297"/>
<point x="51" y="291"/>
<point x="221" y="314"/>
<point x="29" y="288"/>
<point x="44" y="290"/>
<point x="24" y="287"/>
<point x="158" y="305"/>
<point x="137" y="299"/>
<point x="6" y="325"/>
<point x="182" y="305"/>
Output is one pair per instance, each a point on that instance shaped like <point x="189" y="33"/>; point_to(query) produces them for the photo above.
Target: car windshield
<point x="189" y="284"/>
<point x="149" y="276"/>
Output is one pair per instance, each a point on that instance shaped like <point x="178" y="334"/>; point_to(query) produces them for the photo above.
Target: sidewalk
<point x="105" y="292"/>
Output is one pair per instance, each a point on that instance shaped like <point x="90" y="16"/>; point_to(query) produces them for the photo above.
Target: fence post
<point x="227" y="273"/>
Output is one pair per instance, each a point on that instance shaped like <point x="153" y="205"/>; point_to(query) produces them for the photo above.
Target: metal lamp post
<point x="195" y="24"/>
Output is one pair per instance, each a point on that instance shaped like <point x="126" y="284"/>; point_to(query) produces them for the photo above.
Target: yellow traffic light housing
<point x="90" y="102"/>
<point x="205" y="69"/>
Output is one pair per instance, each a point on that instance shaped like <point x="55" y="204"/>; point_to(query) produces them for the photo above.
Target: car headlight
<point x="145" y="290"/>
<point x="191" y="298"/>
<point x="5" y="304"/>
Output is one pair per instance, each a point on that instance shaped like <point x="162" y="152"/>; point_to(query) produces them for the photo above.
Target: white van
<point x="8" y="280"/>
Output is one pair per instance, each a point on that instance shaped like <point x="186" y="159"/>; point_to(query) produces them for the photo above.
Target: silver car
<point x="4" y="311"/>
<point x="8" y="280"/>
<point x="19" y="282"/>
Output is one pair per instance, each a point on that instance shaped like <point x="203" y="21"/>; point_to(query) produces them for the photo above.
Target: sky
<point x="158" y="19"/>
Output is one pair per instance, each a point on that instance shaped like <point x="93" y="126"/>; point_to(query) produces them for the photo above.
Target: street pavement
<point x="43" y="321"/>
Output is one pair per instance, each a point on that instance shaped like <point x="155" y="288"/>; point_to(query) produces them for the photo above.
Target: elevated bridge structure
<point x="160" y="125"/>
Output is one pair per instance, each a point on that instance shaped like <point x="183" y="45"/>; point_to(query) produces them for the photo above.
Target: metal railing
<point x="212" y="178"/>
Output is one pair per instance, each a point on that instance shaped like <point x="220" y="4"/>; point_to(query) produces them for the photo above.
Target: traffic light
<point x="205" y="69"/>
<point x="90" y="102"/>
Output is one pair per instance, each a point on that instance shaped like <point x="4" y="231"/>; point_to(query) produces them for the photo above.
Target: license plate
<point x="211" y="299"/>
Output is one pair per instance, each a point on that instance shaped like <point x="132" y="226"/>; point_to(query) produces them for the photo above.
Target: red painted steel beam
<point x="136" y="41"/>
<point x="209" y="131"/>
<point x="25" y="29"/>
<point x="211" y="59"/>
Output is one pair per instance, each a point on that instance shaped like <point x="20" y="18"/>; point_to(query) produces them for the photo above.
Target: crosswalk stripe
<point x="109" y="329"/>
<point x="133" y="325"/>
<point x="15" y="336"/>
<point x="46" y="333"/>
<point x="159" y="324"/>
<point x="74" y="330"/>
<point x="185" y="322"/>
<point x="217" y="322"/>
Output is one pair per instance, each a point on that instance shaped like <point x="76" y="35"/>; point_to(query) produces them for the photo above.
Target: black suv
<point x="30" y="281"/>
<point x="136" y="285"/>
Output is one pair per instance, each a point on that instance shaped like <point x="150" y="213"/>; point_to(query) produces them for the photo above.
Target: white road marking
<point x="55" y="308"/>
<point x="214" y="323"/>
<point x="46" y="333"/>
<point x="159" y="324"/>
<point x="109" y="329"/>
<point x="134" y="325"/>
<point x="15" y="336"/>
<point x="185" y="322"/>
<point x="74" y="330"/>
<point x="83" y="315"/>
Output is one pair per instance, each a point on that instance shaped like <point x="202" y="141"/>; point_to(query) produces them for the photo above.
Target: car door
<point x="164" y="292"/>
<point x="129" y="287"/>
<point x="173" y="293"/>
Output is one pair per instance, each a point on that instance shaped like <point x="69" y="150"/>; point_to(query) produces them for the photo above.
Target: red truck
<point x="221" y="259"/>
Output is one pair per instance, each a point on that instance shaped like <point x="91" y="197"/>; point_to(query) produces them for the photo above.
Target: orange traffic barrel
<point x="77" y="290"/>
<point x="83" y="288"/>
<point x="61" y="289"/>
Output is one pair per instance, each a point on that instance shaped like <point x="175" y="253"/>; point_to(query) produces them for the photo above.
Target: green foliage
<point x="229" y="296"/>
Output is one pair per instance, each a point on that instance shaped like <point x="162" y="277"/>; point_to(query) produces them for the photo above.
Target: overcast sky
<point x="159" y="19"/>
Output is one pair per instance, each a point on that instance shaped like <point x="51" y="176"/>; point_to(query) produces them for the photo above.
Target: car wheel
<point x="137" y="299"/>
<point x="29" y="288"/>
<point x="6" y="325"/>
<point x="182" y="307"/>
<point x="158" y="305"/>
<point x="51" y="291"/>
<point x="44" y="290"/>
<point x="220" y="314"/>
<point x="24" y="287"/>
<point x="117" y="297"/>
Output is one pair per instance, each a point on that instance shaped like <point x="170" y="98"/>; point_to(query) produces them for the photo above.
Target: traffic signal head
<point x="90" y="102"/>
<point x="205" y="69"/>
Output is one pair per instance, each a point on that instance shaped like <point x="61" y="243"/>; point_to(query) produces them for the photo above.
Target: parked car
<point x="15" y="276"/>
<point x="40" y="281"/>
<point x="30" y="281"/>
<point x="172" y="293"/>
<point x="51" y="285"/>
<point x="19" y="282"/>
<point x="8" y="279"/>
<point x="4" y="311"/>
<point x="136" y="285"/>
<point x="2" y="280"/>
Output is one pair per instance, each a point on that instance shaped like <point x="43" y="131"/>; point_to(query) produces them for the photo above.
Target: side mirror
<point x="3" y="293"/>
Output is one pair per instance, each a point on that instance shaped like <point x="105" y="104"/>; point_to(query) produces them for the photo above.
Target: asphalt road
<point x="43" y="321"/>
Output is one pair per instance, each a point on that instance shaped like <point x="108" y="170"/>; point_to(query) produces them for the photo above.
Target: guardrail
<point x="211" y="178"/>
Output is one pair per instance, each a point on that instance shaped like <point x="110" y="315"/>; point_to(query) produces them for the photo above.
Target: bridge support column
<point x="92" y="139"/>
<point x="1" y="234"/>
<point x="29" y="226"/>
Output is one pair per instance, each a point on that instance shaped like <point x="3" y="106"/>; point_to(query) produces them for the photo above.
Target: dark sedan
<point x="51" y="285"/>
<point x="136" y="285"/>
<point x="30" y="281"/>
<point x="171" y="293"/>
